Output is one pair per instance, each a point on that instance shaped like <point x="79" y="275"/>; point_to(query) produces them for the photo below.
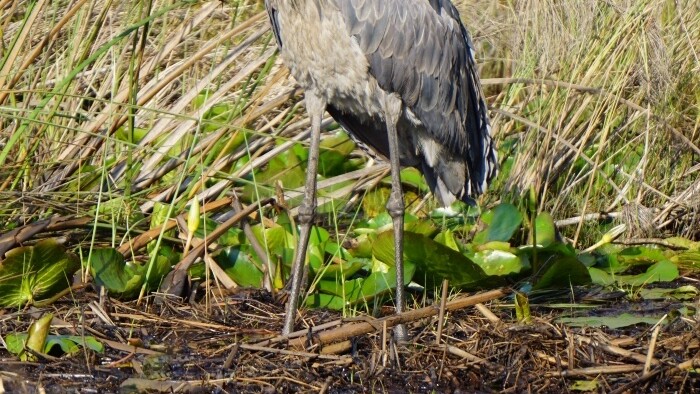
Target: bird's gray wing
<point x="272" y="13"/>
<point x="420" y="50"/>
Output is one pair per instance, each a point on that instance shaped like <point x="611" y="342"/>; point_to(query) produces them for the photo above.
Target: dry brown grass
<point x="188" y="347"/>
<point x="105" y="111"/>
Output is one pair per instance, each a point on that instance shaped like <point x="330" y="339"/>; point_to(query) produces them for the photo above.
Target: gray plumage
<point x="400" y="77"/>
<point x="417" y="49"/>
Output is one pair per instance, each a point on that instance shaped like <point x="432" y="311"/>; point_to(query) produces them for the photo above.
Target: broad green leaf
<point x="316" y="251"/>
<point x="689" y="260"/>
<point x="232" y="237"/>
<point x="238" y="264"/>
<point x="124" y="134"/>
<point x="276" y="239"/>
<point x="419" y="226"/>
<point x="600" y="277"/>
<point x="613" y="322"/>
<point x="340" y="269"/>
<point x="545" y="230"/>
<point x="494" y="245"/>
<point x="522" y="308"/>
<point x="563" y="271"/>
<point x="336" y="295"/>
<point x="411" y="176"/>
<point x="447" y="238"/>
<point x="434" y="262"/>
<point x="378" y="283"/>
<point x="502" y="222"/>
<point x="337" y="251"/>
<point x="585" y="385"/>
<point x="14" y="342"/>
<point x="640" y="255"/>
<point x="374" y="204"/>
<point x="362" y="246"/>
<point x="337" y="287"/>
<point x="500" y="263"/>
<point x="333" y="153"/>
<point x="32" y="273"/>
<point x="166" y="258"/>
<point x="663" y="271"/>
<point x="683" y="293"/>
<point x="379" y="221"/>
<point x="109" y="269"/>
<point x="69" y="344"/>
<point x="318" y="236"/>
<point x="329" y="301"/>
<point x="537" y="256"/>
<point x="36" y="337"/>
<point x="684" y="243"/>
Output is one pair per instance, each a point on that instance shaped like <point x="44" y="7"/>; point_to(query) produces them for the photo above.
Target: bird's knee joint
<point x="306" y="213"/>
<point x="395" y="206"/>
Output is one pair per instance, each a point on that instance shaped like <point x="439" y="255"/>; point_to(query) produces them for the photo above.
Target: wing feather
<point x="420" y="50"/>
<point x="272" y="13"/>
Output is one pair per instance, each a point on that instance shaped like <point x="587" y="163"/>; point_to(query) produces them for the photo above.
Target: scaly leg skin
<point x="315" y="106"/>
<point x="395" y="205"/>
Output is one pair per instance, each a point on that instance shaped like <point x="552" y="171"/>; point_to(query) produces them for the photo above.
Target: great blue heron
<point x="400" y="77"/>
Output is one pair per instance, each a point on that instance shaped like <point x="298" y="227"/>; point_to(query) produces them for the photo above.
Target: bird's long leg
<point x="315" y="106"/>
<point x="395" y="206"/>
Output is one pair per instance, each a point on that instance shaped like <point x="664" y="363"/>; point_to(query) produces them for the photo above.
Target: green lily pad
<point x="232" y="237"/>
<point x="32" y="273"/>
<point x="613" y="322"/>
<point x="683" y="293"/>
<point x="496" y="262"/>
<point x="36" y="337"/>
<point x="563" y="271"/>
<point x="663" y="271"/>
<point x="434" y="261"/>
<point x="546" y="231"/>
<point x="338" y="295"/>
<point x="684" y="243"/>
<point x="585" y="385"/>
<point x="522" y="308"/>
<point x="640" y="255"/>
<point x="276" y="239"/>
<point x="69" y="344"/>
<point x="339" y="269"/>
<point x="447" y="238"/>
<point x="121" y="279"/>
<point x="238" y="263"/>
<point x="503" y="221"/>
<point x="689" y="260"/>
<point x="333" y="153"/>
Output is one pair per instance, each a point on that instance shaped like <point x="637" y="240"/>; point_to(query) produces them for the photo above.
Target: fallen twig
<point x="615" y="350"/>
<point x="355" y="329"/>
<point x="22" y="234"/>
<point x="257" y="348"/>
<point x="602" y="370"/>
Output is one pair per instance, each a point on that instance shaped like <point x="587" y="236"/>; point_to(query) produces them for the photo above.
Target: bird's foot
<point x="401" y="334"/>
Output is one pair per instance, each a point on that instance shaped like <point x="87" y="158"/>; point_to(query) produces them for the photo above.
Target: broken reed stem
<point x="441" y="315"/>
<point x="360" y="328"/>
<point x="652" y="346"/>
<point x="593" y="371"/>
<point x="614" y="350"/>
